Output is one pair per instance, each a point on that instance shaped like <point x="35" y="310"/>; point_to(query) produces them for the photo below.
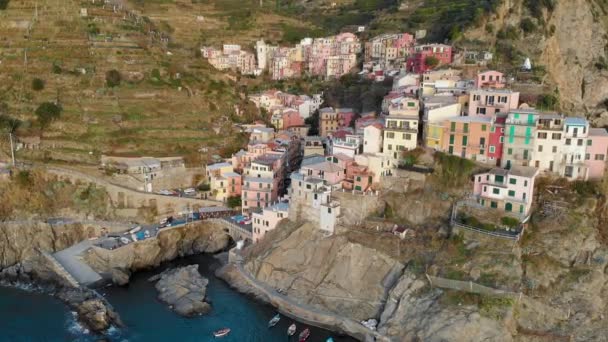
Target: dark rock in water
<point x="92" y="309"/>
<point x="183" y="289"/>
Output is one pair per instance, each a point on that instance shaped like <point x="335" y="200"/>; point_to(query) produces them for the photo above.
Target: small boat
<point x="304" y="335"/>
<point x="274" y="321"/>
<point x="291" y="330"/>
<point x="222" y="332"/>
<point x="329" y="339"/>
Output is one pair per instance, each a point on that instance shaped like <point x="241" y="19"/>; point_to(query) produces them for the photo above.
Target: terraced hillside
<point x="169" y="100"/>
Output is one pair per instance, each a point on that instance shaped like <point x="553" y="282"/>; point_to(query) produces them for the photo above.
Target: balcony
<point x="401" y="129"/>
<point x="521" y="122"/>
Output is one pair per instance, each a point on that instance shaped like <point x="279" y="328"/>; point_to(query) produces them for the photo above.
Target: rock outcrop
<point x="93" y="311"/>
<point x="183" y="289"/>
<point x="22" y="240"/>
<point x="330" y="273"/>
<point x="201" y="237"/>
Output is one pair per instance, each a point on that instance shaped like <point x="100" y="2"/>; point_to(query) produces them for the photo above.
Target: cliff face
<point x="570" y="40"/>
<point x="358" y="281"/>
<point x="20" y="241"/>
<point x="202" y="237"/>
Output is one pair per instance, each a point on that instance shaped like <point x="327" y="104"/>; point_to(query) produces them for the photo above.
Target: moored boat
<point x="291" y="330"/>
<point x="330" y="339"/>
<point x="274" y="321"/>
<point x="221" y="332"/>
<point x="304" y="335"/>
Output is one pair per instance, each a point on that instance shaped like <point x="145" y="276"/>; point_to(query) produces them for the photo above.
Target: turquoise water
<point x="147" y="319"/>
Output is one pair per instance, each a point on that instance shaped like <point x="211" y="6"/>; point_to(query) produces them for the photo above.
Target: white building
<point x="372" y="138"/>
<point x="310" y="199"/>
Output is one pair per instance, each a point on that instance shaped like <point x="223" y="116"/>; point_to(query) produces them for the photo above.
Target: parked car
<point x="189" y="192"/>
<point x="135" y="230"/>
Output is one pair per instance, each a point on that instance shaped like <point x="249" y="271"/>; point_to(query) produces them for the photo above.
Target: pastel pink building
<point x="267" y="219"/>
<point x="263" y="181"/>
<point x="506" y="190"/>
<point x="489" y="102"/>
<point x="328" y="171"/>
<point x="595" y="152"/>
<point x="490" y="79"/>
<point x="358" y="178"/>
<point x="496" y="139"/>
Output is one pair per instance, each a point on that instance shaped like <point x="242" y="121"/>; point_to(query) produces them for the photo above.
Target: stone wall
<point x="356" y="207"/>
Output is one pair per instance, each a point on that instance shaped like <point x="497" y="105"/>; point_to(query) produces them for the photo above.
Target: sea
<point x="31" y="315"/>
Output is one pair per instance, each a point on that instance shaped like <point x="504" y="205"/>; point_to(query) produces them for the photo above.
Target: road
<point x="70" y="259"/>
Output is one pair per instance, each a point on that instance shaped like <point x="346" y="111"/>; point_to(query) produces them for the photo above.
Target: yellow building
<point x="434" y="135"/>
<point x="400" y="135"/>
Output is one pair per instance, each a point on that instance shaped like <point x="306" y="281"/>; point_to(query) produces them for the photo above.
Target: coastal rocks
<point x="330" y="273"/>
<point x="412" y="314"/>
<point x="202" y="237"/>
<point x="184" y="290"/>
<point x="20" y="241"/>
<point x="93" y="310"/>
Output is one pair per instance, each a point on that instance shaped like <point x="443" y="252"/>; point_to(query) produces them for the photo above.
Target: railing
<point x="455" y="223"/>
<point x="469" y="286"/>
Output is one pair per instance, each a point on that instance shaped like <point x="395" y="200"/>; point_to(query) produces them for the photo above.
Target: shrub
<point x="585" y="188"/>
<point x="24" y="179"/>
<point x="113" y="78"/>
<point x="527" y="25"/>
<point x="46" y="113"/>
<point x="547" y="102"/>
<point x="4" y="4"/>
<point x="454" y="171"/>
<point x="431" y="61"/>
<point x="509" y="221"/>
<point x="489" y="28"/>
<point x="204" y="187"/>
<point x="37" y="84"/>
<point x="233" y="201"/>
<point x="509" y="32"/>
<point x="56" y="69"/>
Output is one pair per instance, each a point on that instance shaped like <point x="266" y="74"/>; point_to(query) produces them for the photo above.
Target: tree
<point x="4" y="4"/>
<point x="37" y="84"/>
<point x="233" y="201"/>
<point x="527" y="25"/>
<point x="431" y="61"/>
<point x="46" y="113"/>
<point x="113" y="78"/>
<point x="313" y="122"/>
<point x="9" y="124"/>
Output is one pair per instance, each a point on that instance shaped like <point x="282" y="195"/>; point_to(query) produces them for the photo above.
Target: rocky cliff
<point x="201" y="237"/>
<point x="20" y="241"/>
<point x="569" y="38"/>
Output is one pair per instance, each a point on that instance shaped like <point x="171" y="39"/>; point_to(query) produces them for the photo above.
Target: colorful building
<point x="595" y="153"/>
<point x="490" y="79"/>
<point x="400" y="135"/>
<point x="509" y="190"/>
<point x="467" y="137"/>
<point x="489" y="102"/>
<point x="267" y="219"/>
<point x="496" y="139"/>
<point x="417" y="62"/>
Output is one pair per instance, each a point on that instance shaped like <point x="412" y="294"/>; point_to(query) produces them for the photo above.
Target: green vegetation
<point x="113" y="78"/>
<point x="362" y="95"/>
<point x="510" y="32"/>
<point x="293" y="34"/>
<point x="547" y="102"/>
<point x="233" y="202"/>
<point x="431" y="61"/>
<point x="536" y="7"/>
<point x="32" y="193"/>
<point x="4" y="4"/>
<point x="37" y="84"/>
<point x="474" y="222"/>
<point x="204" y="187"/>
<point x="313" y="122"/>
<point x="453" y="171"/>
<point x="509" y="221"/>
<point x="586" y="188"/>
<point x="46" y="113"/>
<point x="527" y="25"/>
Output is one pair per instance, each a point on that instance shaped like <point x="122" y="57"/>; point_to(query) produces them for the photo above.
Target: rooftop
<point x="480" y="119"/>
<point x="598" y="132"/>
<point x="325" y="167"/>
<point x="575" y="121"/>
<point x="281" y="206"/>
<point x="218" y="166"/>
<point x="266" y="180"/>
